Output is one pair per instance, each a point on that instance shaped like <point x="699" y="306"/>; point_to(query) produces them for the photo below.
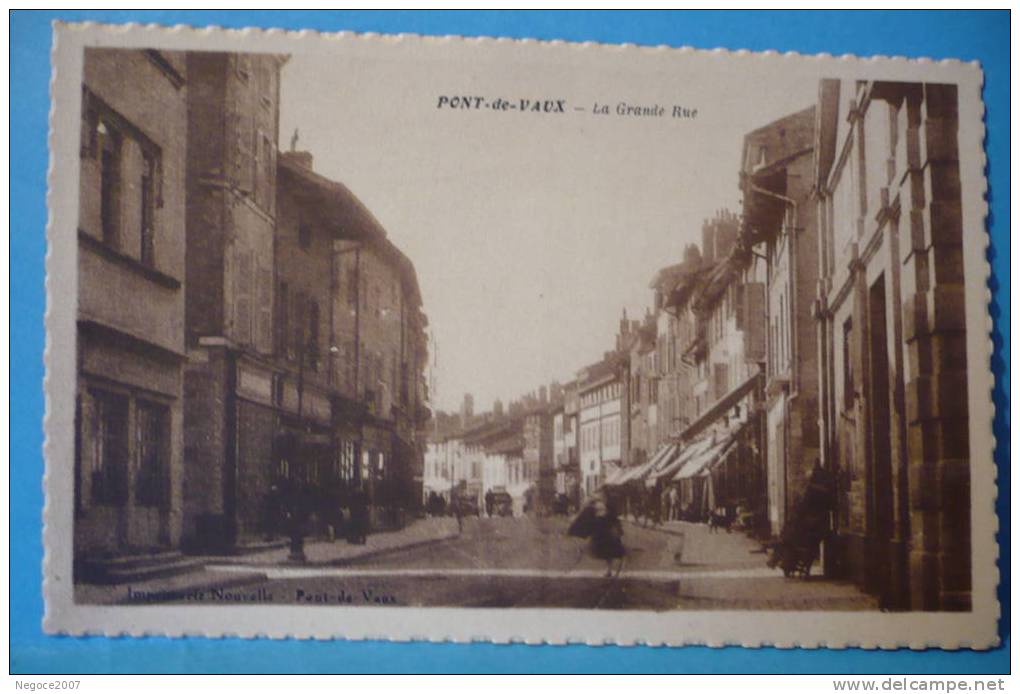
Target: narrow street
<point x="531" y="562"/>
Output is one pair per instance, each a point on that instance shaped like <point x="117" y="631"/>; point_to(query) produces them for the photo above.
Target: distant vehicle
<point x="502" y="503"/>
<point x="468" y="504"/>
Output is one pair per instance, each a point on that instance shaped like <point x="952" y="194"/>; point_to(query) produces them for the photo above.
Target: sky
<point x="530" y="232"/>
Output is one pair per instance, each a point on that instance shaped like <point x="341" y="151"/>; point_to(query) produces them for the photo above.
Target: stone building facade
<point x="779" y="222"/>
<point x="643" y="399"/>
<point x="380" y="354"/>
<point x="725" y="349"/>
<point x="892" y="340"/>
<point x="565" y="453"/>
<point x="131" y="303"/>
<point x="230" y="379"/>
<point x="601" y="429"/>
<point x="538" y="456"/>
<point x="673" y="288"/>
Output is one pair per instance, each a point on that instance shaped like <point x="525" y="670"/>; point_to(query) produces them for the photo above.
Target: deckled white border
<point x="977" y="629"/>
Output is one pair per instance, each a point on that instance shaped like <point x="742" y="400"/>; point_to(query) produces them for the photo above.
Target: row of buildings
<point x="246" y="330"/>
<point x="823" y="324"/>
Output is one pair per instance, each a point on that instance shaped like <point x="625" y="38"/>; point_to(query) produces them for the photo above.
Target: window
<point x="105" y="138"/>
<point x="313" y="334"/>
<point x="304" y="236"/>
<point x="108" y="472"/>
<point x="350" y="360"/>
<point x="152" y="425"/>
<point x="344" y="463"/>
<point x="109" y="182"/>
<point x="278" y="386"/>
<point x="148" y="231"/>
<point x="300" y="321"/>
<point x="352" y="289"/>
<point x="283" y="321"/>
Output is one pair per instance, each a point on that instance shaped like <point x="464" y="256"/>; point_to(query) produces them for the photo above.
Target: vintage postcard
<point x="400" y="337"/>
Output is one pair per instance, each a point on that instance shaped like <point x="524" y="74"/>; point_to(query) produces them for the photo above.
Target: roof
<point x="668" y="276"/>
<point x="598" y="372"/>
<point x="506" y="444"/>
<point x="719" y="278"/>
<point x="351" y="219"/>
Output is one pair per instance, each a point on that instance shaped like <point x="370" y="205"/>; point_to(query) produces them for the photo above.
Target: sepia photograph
<point x="359" y="326"/>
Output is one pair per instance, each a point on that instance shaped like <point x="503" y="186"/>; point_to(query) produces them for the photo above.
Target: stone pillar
<point x="934" y="333"/>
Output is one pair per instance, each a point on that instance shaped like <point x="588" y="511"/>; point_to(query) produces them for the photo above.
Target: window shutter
<point x="265" y="308"/>
<point x="754" y="321"/>
<point x="243" y="296"/>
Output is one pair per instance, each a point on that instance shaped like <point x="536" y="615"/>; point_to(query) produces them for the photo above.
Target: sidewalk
<point x="339" y="553"/>
<point x="208" y="578"/>
<point x="745" y="587"/>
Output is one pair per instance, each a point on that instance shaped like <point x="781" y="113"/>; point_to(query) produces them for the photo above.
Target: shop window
<point x="152" y="430"/>
<point x="108" y="472"/>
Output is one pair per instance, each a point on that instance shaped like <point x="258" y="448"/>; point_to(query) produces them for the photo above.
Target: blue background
<point x="967" y="35"/>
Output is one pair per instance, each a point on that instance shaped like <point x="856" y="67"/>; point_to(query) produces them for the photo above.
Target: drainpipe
<point x="791" y="276"/>
<point x="791" y="295"/>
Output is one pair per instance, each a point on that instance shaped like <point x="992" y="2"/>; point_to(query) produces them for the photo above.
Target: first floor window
<point x="345" y="469"/>
<point x="108" y="470"/>
<point x="152" y="425"/>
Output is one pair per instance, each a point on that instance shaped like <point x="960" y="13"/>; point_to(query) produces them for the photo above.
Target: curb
<point x="382" y="551"/>
<point x="655" y="528"/>
<point x="343" y="561"/>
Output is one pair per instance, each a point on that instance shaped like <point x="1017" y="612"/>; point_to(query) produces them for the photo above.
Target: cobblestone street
<point x="528" y="562"/>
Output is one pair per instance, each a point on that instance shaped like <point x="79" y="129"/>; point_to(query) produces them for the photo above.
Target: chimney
<point x="302" y="158"/>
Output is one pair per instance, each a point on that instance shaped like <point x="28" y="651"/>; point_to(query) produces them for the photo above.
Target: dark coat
<point x="607" y="537"/>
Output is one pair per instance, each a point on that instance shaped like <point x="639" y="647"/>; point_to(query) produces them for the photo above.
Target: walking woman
<point x="599" y="522"/>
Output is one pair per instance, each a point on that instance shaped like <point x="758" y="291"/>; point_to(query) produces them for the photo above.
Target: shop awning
<point x="700" y="464"/>
<point x="663" y="457"/>
<point x="691" y="450"/>
<point x="637" y="472"/>
<point x="615" y="478"/>
<point x="721" y="407"/>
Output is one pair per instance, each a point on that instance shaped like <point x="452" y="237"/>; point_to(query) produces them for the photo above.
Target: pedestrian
<point x="607" y="536"/>
<point x="455" y="506"/>
<point x="272" y="512"/>
<point x="490" y="501"/>
<point x="358" y="527"/>
<point x="674" y="503"/>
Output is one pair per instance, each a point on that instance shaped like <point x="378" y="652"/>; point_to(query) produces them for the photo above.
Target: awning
<point x="634" y="473"/>
<point x="615" y="478"/>
<point x="615" y="472"/>
<point x="693" y="449"/>
<point x="699" y="464"/>
<point x="720" y="407"/>
<point x="702" y="461"/>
